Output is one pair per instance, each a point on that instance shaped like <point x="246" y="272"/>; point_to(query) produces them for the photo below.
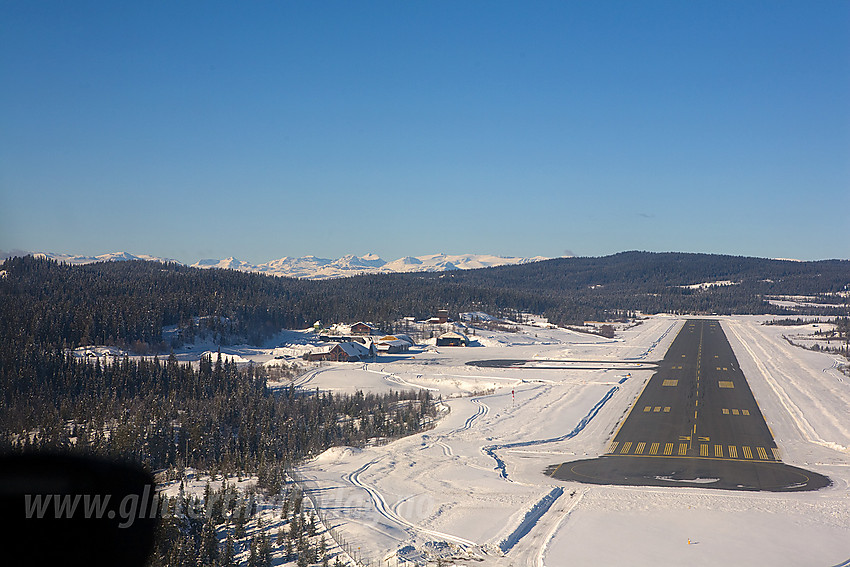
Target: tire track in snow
<point x="384" y="510"/>
<point x="501" y="466"/>
<point x="793" y="410"/>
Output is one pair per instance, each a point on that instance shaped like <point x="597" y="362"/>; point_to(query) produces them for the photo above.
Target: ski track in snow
<point x="501" y="465"/>
<point x="384" y="510"/>
<point x="483" y="409"/>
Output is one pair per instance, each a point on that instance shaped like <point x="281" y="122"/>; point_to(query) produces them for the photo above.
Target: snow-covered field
<point x="475" y="481"/>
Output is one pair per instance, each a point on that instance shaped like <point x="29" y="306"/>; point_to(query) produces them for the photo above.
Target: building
<point x="392" y="345"/>
<point x="342" y="352"/>
<point x="452" y="339"/>
<point x="442" y="316"/>
<point x="361" y="328"/>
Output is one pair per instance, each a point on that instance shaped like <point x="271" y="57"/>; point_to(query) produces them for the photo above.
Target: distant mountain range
<point x="311" y="267"/>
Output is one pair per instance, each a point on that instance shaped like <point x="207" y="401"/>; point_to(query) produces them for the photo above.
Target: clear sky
<point x="259" y="130"/>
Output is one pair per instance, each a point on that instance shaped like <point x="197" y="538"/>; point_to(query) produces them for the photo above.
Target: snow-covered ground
<point x="476" y="482"/>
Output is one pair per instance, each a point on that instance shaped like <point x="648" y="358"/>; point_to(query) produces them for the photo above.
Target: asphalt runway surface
<point x="696" y="423"/>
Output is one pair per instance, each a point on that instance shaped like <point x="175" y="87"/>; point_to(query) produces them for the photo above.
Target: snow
<point x="442" y="485"/>
<point x="476" y="477"/>
<point x="706" y="285"/>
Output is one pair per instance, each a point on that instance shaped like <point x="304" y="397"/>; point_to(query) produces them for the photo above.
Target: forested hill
<point x="648" y="272"/>
<point x="123" y="302"/>
<point x="632" y="277"/>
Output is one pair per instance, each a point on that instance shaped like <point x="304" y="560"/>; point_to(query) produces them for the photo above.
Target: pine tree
<point x="228" y="558"/>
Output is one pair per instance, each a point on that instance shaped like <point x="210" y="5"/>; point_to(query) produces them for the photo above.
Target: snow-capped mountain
<point x="311" y="267"/>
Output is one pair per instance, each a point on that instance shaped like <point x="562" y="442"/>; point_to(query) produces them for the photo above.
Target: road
<point x="696" y="423"/>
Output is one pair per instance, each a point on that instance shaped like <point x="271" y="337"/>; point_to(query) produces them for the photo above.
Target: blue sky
<point x="266" y="129"/>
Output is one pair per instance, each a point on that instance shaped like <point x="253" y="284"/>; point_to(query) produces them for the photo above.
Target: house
<point x="342" y="352"/>
<point x="452" y="339"/>
<point x="361" y="328"/>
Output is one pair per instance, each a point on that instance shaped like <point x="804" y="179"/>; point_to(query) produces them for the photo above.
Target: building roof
<point x="454" y="335"/>
<point x="395" y="339"/>
<point x="396" y="342"/>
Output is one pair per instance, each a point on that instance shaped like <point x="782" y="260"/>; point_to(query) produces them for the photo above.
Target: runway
<point x="696" y="423"/>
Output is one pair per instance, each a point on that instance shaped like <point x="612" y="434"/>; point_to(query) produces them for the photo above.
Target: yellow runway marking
<point x="748" y="454"/>
<point x="726" y="384"/>
<point x="746" y="412"/>
<point x="703" y="450"/>
<point x="668" y="449"/>
<point x="667" y="409"/>
<point x="670" y="383"/>
<point x="762" y="453"/>
<point x="735" y="412"/>
<point x="613" y="446"/>
<point x="725" y="411"/>
<point x="776" y="454"/>
<point x="733" y="452"/>
<point x="653" y="449"/>
<point x="718" y="451"/>
<point x="626" y="446"/>
<point x="647" y="408"/>
<point x="656" y="409"/>
<point x="683" y="449"/>
<point x="639" y="448"/>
